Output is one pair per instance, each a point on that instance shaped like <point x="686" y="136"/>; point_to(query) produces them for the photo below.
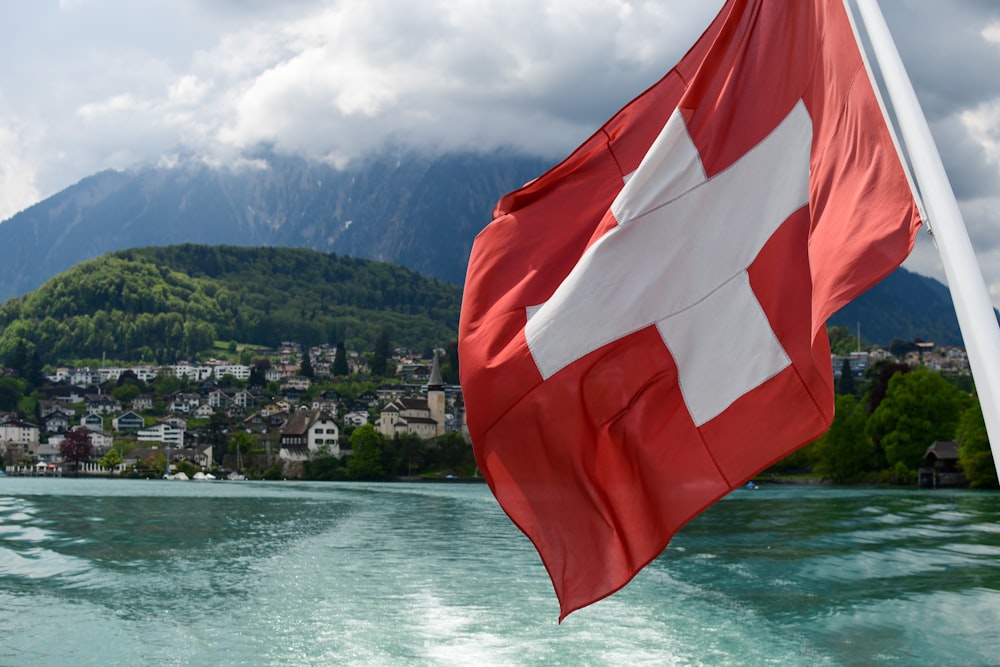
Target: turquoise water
<point x="152" y="572"/>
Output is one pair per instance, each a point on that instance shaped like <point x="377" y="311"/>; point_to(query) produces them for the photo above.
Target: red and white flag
<point x="643" y="326"/>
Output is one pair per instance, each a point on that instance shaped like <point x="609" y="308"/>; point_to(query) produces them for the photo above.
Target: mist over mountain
<point x="422" y="213"/>
<point x="418" y="212"/>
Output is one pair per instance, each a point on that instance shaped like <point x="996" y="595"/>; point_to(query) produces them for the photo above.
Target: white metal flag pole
<point x="965" y="280"/>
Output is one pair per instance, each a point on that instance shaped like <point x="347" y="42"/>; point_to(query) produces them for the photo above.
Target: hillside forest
<point x="161" y="305"/>
<point x="885" y="421"/>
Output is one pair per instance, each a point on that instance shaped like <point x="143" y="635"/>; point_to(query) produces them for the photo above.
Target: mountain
<point x="418" y="212"/>
<point x="167" y="303"/>
<point x="414" y="211"/>
<point x="904" y="305"/>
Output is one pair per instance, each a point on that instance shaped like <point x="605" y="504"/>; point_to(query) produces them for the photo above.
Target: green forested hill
<point x="166" y="303"/>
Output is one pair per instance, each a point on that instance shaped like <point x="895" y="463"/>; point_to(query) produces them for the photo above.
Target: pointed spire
<point x="435" y="381"/>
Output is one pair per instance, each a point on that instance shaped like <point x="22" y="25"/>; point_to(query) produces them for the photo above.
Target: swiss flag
<point x="643" y="326"/>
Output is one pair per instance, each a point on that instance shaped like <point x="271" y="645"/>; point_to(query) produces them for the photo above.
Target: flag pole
<point x="976" y="318"/>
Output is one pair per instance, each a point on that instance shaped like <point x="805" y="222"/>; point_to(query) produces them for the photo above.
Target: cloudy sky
<point x="95" y="84"/>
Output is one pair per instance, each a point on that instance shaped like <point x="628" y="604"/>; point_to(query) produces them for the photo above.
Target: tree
<point x="216" y="433"/>
<point x="258" y="373"/>
<point x="845" y="451"/>
<point x="974" y="451"/>
<point x="241" y="442"/>
<point x="882" y="373"/>
<point x="845" y="385"/>
<point x="919" y="407"/>
<point x="126" y="393"/>
<point x="112" y="459"/>
<point x="366" y="454"/>
<point x="76" y="447"/>
<point x="841" y="340"/>
<point x="383" y="351"/>
<point x="23" y="359"/>
<point x="11" y="392"/>
<point x="306" y="367"/>
<point x="340" y="368"/>
<point x="450" y="370"/>
<point x="155" y="463"/>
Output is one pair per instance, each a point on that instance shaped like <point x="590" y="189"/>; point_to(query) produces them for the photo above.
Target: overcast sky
<point x="88" y="85"/>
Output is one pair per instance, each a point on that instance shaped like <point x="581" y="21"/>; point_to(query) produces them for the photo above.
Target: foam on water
<point x="368" y="574"/>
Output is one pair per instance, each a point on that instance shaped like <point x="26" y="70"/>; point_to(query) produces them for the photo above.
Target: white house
<point x="238" y="371"/>
<point x="20" y="433"/>
<point x="308" y="431"/>
<point x="164" y="433"/>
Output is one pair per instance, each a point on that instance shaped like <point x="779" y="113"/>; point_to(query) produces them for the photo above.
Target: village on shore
<point x="277" y="417"/>
<point x="290" y="416"/>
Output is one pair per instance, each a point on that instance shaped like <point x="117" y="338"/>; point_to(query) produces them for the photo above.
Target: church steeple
<point x="435" y="380"/>
<point x="435" y="395"/>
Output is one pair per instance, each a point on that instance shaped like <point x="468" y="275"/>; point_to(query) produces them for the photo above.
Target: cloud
<point x="16" y="170"/>
<point x="110" y="83"/>
<point x="536" y="76"/>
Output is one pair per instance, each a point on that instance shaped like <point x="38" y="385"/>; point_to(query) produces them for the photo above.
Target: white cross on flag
<point x="643" y="326"/>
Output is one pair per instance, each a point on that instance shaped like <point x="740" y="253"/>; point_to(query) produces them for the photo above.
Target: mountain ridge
<point x="414" y="211"/>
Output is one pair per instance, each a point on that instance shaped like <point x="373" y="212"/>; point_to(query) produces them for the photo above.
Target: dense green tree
<point x="451" y="453"/>
<point x="880" y="375"/>
<point x="325" y="468"/>
<point x="241" y="442"/>
<point x="22" y="357"/>
<point x="126" y="393"/>
<point x="160" y="304"/>
<point x="845" y="451"/>
<point x="258" y="373"/>
<point x="216" y="433"/>
<point x="112" y="459"/>
<point x="340" y="367"/>
<point x="845" y="384"/>
<point x="381" y="354"/>
<point x="974" y="451"/>
<point x="154" y="464"/>
<point x="306" y="367"/>
<point x="166" y="384"/>
<point x="919" y="407"/>
<point x="450" y="369"/>
<point x="842" y="341"/>
<point x="11" y="392"/>
<point x="365" y="461"/>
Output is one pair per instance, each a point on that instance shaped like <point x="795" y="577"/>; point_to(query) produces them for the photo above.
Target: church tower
<point x="435" y="395"/>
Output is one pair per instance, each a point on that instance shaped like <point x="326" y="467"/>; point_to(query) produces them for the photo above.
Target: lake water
<point x="113" y="572"/>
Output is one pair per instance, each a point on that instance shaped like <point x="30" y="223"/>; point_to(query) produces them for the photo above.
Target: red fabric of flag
<point x="643" y="326"/>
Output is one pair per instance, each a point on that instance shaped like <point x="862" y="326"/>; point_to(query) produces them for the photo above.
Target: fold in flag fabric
<point x="643" y="326"/>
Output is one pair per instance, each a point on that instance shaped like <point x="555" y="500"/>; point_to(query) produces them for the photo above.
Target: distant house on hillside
<point x="21" y="434"/>
<point x="127" y="421"/>
<point x="306" y="432"/>
<point x="142" y="402"/>
<point x="102" y="404"/>
<point x="356" y="418"/>
<point x="163" y="433"/>
<point x="55" y="422"/>
<point x="64" y="394"/>
<point x="92" y="420"/>
<point x="184" y="403"/>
